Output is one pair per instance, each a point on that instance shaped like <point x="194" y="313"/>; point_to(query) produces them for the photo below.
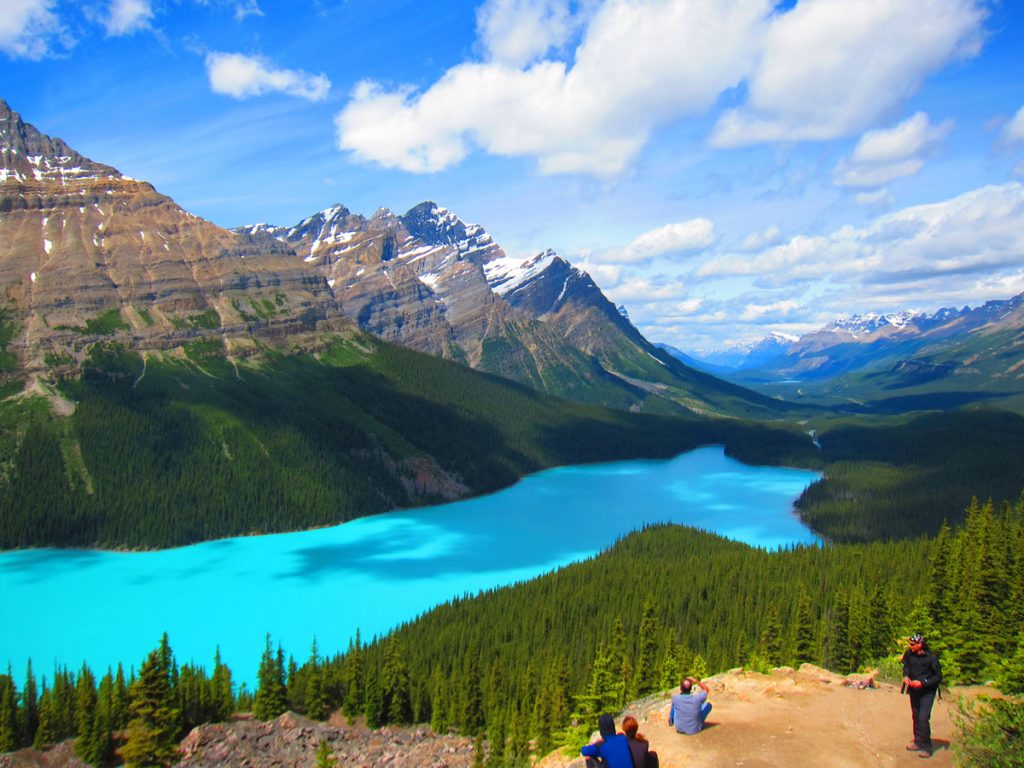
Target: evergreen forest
<point x="173" y="449"/>
<point x="528" y="668"/>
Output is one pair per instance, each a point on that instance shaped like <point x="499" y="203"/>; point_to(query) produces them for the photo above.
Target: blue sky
<point x="724" y="168"/>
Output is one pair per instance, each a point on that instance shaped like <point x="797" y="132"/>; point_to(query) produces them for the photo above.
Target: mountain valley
<point x="885" y="363"/>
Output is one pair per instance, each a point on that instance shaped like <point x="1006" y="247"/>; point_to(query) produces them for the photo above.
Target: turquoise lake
<point x="70" y="606"/>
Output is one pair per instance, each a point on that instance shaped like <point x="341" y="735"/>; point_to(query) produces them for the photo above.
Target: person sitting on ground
<point x="643" y="757"/>
<point x="611" y="749"/>
<point x="689" y="710"/>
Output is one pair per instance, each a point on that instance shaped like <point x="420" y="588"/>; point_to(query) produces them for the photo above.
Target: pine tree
<point x="839" y="648"/>
<point x="879" y="631"/>
<point x="223" y="704"/>
<point x="153" y="728"/>
<point x="647" y="655"/>
<point x="1011" y="675"/>
<point x="271" y="695"/>
<point x="940" y="590"/>
<point x="497" y="739"/>
<point x="9" y="736"/>
<point x="682" y="660"/>
<point x="857" y="630"/>
<point x="619" y="651"/>
<point x="295" y="690"/>
<point x="395" y="685"/>
<point x="478" y="751"/>
<point x="698" y="667"/>
<point x="101" y="739"/>
<point x="803" y="632"/>
<point x="375" y="712"/>
<point x="119" y="713"/>
<point x="29" y="707"/>
<point x="46" y="733"/>
<point x="354" y="672"/>
<point x="517" y="753"/>
<point x="601" y="694"/>
<point x="439" y="702"/>
<point x="317" y="706"/>
<point x="472" y="697"/>
<point x="85" y="716"/>
<point x="771" y="637"/>
<point x="62" y="704"/>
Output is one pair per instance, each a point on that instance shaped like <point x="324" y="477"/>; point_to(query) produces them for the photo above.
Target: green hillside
<point x="973" y="368"/>
<point x="902" y="476"/>
<point x="192" y="445"/>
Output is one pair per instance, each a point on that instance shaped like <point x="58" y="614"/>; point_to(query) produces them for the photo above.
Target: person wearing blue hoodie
<point x="612" y="750"/>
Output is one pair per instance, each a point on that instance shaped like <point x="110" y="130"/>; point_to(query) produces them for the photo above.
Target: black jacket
<point x="924" y="667"/>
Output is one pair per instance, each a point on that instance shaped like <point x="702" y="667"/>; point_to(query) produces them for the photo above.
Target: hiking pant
<point x="921" y="710"/>
<point x="705" y="710"/>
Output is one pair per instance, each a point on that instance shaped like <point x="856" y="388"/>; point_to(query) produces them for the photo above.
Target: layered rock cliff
<point x="86" y="253"/>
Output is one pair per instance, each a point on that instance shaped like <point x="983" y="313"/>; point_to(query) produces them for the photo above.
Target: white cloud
<point x="639" y="66"/>
<point x="668" y="240"/>
<point x="519" y="32"/>
<point x="817" y="71"/>
<point x="944" y="248"/>
<point x="125" y="17"/>
<point x="907" y="139"/>
<point x="828" y="70"/>
<point x="1014" y="130"/>
<point x="687" y="306"/>
<point x="680" y="237"/>
<point x="888" y="154"/>
<point x="773" y="311"/>
<point x="246" y="9"/>
<point x="755" y="241"/>
<point x="964" y="250"/>
<point x="640" y="289"/>
<point x="31" y="29"/>
<point x="880" y="198"/>
<point x="241" y="76"/>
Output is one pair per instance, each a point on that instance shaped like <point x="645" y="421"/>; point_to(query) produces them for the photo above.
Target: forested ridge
<point x="528" y="667"/>
<point x="176" y="449"/>
<point x="172" y="451"/>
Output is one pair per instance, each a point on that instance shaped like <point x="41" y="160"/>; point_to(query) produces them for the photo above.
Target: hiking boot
<point x="914" y="747"/>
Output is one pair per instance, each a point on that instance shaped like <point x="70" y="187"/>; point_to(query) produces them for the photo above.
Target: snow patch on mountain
<point x="508" y="274"/>
<point x="871" y="322"/>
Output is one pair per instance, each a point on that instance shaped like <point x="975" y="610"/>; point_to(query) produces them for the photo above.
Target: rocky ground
<point x="803" y="718"/>
<point x="290" y="741"/>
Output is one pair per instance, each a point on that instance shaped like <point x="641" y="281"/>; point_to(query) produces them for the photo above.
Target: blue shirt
<point x="614" y="750"/>
<point x="685" y="712"/>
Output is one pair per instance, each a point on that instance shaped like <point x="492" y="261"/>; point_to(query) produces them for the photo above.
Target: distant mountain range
<point x="88" y="255"/>
<point x="429" y="281"/>
<point x="976" y="352"/>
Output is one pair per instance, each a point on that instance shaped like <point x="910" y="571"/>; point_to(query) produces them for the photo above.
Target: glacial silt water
<point x="66" y="606"/>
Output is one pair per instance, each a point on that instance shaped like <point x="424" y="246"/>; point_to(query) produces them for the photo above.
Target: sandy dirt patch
<point x="797" y="719"/>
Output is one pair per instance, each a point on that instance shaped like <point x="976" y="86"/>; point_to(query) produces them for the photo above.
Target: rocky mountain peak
<point x="328" y="222"/>
<point x="27" y="154"/>
<point x="872" y="322"/>
<point x="437" y="226"/>
<point x="434" y="225"/>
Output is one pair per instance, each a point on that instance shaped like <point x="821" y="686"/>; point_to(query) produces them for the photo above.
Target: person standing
<point x="921" y="677"/>
<point x="690" y="709"/>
